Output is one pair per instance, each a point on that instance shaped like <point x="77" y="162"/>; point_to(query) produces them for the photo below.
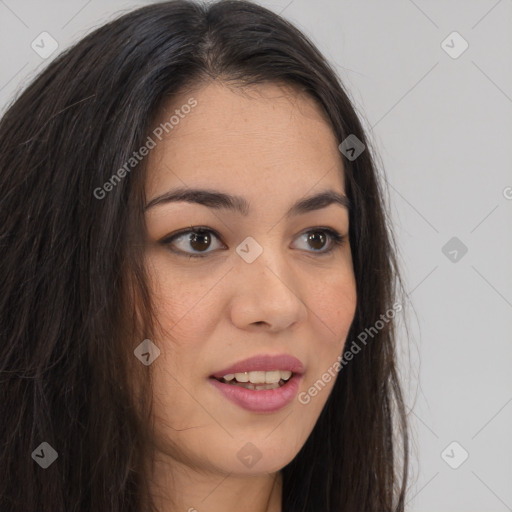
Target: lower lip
<point x="266" y="400"/>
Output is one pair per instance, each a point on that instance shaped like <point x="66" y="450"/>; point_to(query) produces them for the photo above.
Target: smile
<point x="262" y="398"/>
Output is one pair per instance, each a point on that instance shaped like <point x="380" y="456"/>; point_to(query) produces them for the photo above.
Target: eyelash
<point x="337" y="239"/>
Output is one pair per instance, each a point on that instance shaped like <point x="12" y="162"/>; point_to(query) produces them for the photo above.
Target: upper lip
<point x="263" y="362"/>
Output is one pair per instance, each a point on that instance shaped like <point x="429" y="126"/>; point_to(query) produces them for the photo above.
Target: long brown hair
<point x="71" y="268"/>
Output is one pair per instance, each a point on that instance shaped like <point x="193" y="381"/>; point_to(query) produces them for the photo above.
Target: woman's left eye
<point x="317" y="237"/>
<point x="200" y="238"/>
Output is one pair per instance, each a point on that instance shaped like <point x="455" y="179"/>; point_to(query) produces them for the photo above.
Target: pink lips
<point x="268" y="400"/>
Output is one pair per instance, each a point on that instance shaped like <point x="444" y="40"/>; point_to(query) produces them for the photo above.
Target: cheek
<point x="181" y="299"/>
<point x="332" y="304"/>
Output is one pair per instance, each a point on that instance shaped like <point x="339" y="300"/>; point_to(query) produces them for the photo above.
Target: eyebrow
<point x="220" y="200"/>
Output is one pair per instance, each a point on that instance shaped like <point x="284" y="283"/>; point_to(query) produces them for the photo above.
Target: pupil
<point x="315" y="238"/>
<point x="199" y="241"/>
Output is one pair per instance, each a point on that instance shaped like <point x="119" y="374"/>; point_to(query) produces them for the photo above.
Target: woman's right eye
<point x="197" y="237"/>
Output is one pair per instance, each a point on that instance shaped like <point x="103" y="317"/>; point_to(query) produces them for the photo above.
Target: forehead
<point x="260" y="139"/>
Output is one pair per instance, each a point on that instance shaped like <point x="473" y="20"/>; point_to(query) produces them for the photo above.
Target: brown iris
<point x="200" y="240"/>
<point x="317" y="237"/>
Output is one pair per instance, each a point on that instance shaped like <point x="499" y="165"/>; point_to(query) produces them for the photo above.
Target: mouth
<point x="261" y="384"/>
<point x="259" y="398"/>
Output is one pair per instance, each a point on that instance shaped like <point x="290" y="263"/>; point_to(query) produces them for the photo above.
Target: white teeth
<point x="259" y="377"/>
<point x="272" y="377"/>
<point x="286" y="374"/>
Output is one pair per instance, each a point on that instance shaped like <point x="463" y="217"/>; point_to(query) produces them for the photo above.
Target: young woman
<point x="198" y="280"/>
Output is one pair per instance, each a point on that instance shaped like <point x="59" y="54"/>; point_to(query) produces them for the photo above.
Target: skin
<point x="272" y="145"/>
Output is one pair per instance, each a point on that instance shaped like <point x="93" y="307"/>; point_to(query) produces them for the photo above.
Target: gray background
<point x="442" y="127"/>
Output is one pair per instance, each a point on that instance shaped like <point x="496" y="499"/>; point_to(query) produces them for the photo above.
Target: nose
<point x="267" y="292"/>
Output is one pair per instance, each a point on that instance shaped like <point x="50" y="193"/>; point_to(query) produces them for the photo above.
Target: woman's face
<point x="269" y="286"/>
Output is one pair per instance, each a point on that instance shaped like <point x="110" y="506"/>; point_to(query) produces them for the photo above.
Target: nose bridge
<point x="267" y="291"/>
<point x="263" y="263"/>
